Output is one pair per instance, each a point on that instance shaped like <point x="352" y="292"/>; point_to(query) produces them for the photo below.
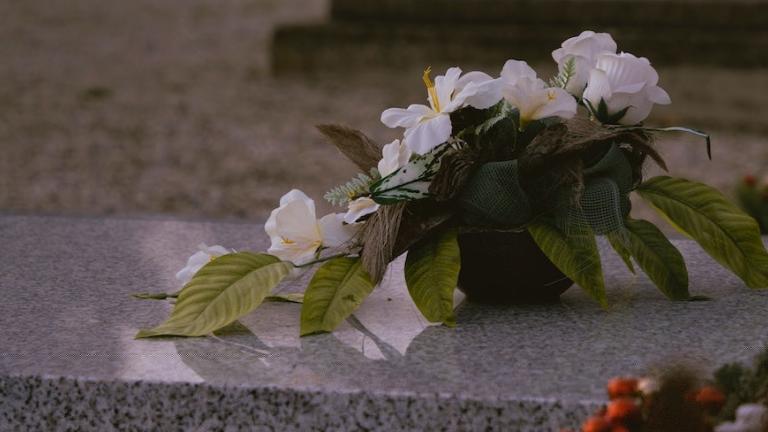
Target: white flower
<point x="360" y="207"/>
<point x="583" y="51"/>
<point x="203" y="256"/>
<point x="296" y="234"/>
<point x="625" y="81"/>
<point x="395" y="156"/>
<point x="749" y="418"/>
<point x="426" y="127"/>
<point x="531" y="96"/>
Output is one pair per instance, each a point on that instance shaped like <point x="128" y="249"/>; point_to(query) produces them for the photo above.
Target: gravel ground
<point x="146" y="107"/>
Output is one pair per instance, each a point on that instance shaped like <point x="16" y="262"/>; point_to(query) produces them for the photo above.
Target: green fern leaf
<point x="353" y="189"/>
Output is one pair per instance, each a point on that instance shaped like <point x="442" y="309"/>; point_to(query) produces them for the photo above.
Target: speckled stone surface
<point x="68" y="359"/>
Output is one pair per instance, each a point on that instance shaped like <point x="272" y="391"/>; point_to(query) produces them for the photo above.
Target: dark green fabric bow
<point x="494" y="197"/>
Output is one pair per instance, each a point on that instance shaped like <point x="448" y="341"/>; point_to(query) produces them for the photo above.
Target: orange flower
<point x="622" y="387"/>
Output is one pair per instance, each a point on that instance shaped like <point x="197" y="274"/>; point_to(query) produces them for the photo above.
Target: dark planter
<point x="507" y="268"/>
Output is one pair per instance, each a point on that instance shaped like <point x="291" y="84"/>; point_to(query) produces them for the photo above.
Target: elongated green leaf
<point x="431" y="273"/>
<point x="286" y="298"/>
<point x="725" y="232"/>
<point x="221" y="292"/>
<point x="337" y="289"/>
<point x="618" y="241"/>
<point x="574" y="253"/>
<point x="658" y="258"/>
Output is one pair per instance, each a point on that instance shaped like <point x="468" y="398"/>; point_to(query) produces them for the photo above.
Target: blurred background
<point x="206" y="108"/>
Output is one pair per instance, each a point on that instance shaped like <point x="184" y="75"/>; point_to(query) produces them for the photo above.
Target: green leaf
<point x="222" y="291"/>
<point x="431" y="274"/>
<point x="353" y="189"/>
<point x="500" y="131"/>
<point x="566" y="75"/>
<point x="726" y="233"/>
<point x="574" y="253"/>
<point x="337" y="289"/>
<point x="618" y="241"/>
<point x="601" y="112"/>
<point x="286" y="298"/>
<point x="410" y="182"/>
<point x="658" y="258"/>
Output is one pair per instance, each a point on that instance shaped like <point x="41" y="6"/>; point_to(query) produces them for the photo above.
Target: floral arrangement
<point x="753" y="198"/>
<point x="553" y="160"/>
<point x="676" y="399"/>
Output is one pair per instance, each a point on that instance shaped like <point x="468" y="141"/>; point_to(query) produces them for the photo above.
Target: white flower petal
<point x="658" y="95"/>
<point x="334" y="231"/>
<point x="445" y="86"/>
<point x="629" y="88"/>
<point x="625" y="82"/>
<point x="410" y="117"/>
<point x="516" y="69"/>
<point x="622" y="69"/>
<point x="216" y="250"/>
<point x="200" y="259"/>
<point x="428" y="134"/>
<point x="360" y="207"/>
<point x="194" y="264"/>
<point x="472" y="77"/>
<point x="296" y="221"/>
<point x="583" y="50"/>
<point x="293" y="230"/>
<point x="297" y="195"/>
<point x="395" y="155"/>
<point x="588" y="44"/>
<point x="480" y="94"/>
<point x="639" y="109"/>
<point x="599" y="87"/>
<point x="559" y="103"/>
<point x="296" y="253"/>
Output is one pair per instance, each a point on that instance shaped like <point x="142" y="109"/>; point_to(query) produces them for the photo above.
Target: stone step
<point x="69" y="360"/>
<point x="343" y="44"/>
<point x="741" y="14"/>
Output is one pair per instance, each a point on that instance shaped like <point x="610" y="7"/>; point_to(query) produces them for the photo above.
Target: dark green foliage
<point x="742" y="384"/>
<point x="601" y="113"/>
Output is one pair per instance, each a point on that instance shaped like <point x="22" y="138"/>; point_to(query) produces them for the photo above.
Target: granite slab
<point x="68" y="359"/>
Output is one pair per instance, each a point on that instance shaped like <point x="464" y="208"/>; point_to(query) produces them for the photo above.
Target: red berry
<point x="596" y="424"/>
<point x="750" y="180"/>
<point x="622" y="411"/>
<point x="622" y="387"/>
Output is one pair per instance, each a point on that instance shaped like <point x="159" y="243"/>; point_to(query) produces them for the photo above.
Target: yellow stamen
<point x="551" y="95"/>
<point x="431" y="89"/>
<point x="287" y="241"/>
